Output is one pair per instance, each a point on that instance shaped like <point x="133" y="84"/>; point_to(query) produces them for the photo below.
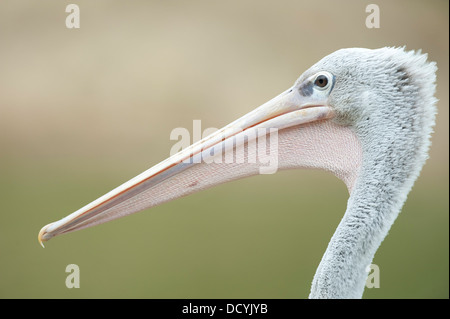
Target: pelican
<point x="365" y="115"/>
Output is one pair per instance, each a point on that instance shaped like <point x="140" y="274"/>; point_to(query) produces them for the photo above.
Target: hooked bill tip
<point x="41" y="235"/>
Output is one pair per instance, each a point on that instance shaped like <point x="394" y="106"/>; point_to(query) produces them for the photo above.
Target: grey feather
<point x="387" y="97"/>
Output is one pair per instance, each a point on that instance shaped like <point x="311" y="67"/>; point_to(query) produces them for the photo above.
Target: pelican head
<point x="364" y="115"/>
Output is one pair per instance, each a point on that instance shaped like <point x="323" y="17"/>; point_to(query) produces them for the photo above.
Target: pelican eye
<point x="321" y="81"/>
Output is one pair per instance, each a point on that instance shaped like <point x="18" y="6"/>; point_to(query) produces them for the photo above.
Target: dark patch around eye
<point x="306" y="89"/>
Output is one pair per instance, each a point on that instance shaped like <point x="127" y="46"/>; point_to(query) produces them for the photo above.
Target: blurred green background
<point x="82" y="111"/>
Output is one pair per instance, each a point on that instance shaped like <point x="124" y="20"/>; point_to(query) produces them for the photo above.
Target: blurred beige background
<point x="82" y="111"/>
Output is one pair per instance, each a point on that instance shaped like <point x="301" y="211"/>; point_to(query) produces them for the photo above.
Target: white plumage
<point x="364" y="115"/>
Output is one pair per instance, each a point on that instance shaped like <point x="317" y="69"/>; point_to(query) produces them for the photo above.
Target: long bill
<point x="188" y="170"/>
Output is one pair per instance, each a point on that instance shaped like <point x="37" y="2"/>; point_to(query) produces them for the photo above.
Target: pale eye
<point x="321" y="81"/>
